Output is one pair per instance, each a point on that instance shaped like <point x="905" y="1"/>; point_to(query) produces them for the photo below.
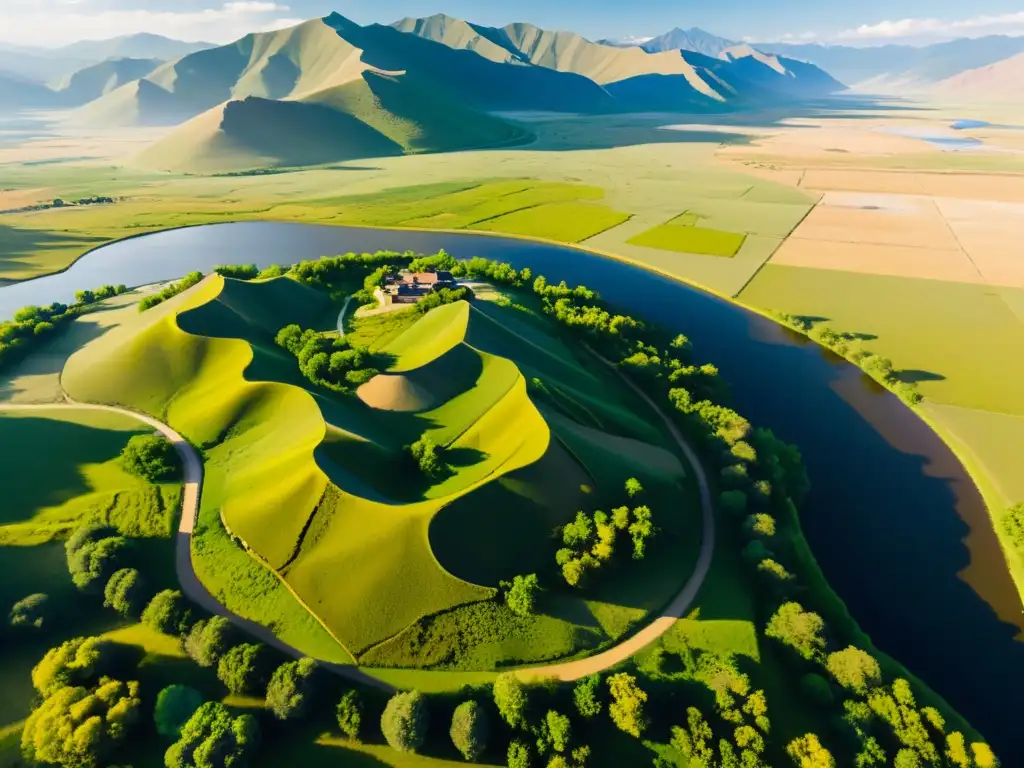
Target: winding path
<point x="194" y="589"/>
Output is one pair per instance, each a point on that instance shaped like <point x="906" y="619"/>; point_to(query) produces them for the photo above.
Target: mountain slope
<point x="1002" y="81"/>
<point x="90" y="83"/>
<point x="17" y="92"/>
<point x="899" y="67"/>
<point x="694" y="39"/>
<point x="139" y="46"/>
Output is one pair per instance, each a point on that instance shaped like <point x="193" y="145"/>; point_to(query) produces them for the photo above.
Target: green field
<point x="689" y="238"/>
<point x="296" y="472"/>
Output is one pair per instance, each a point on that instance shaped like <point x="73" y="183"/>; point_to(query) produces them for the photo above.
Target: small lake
<point x="897" y="525"/>
<point x="938" y="138"/>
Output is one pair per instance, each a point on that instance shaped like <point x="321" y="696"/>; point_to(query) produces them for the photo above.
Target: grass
<point x="85" y="481"/>
<point x="898" y="310"/>
<point x="687" y="237"/>
<point x="347" y="554"/>
<point x="566" y="222"/>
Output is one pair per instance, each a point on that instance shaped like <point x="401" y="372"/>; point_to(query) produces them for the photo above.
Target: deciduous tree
<point x="405" y="721"/>
<point x="627" y="707"/>
<point x="213" y="738"/>
<point x="511" y="699"/>
<point x="125" y="592"/>
<point x="801" y="630"/>
<point x="151" y="457"/>
<point x="854" y="669"/>
<point x="521" y="594"/>
<point x="291" y="688"/>
<point x="242" y="669"/>
<point x="469" y="730"/>
<point x="175" y="705"/>
<point x="168" y="613"/>
<point x="587" y="696"/>
<point x="30" y="612"/>
<point x="349" y="714"/>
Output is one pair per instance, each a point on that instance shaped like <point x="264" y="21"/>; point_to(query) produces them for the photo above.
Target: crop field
<point x="689" y="238"/>
<point x="565" y="222"/>
<point x="299" y="491"/>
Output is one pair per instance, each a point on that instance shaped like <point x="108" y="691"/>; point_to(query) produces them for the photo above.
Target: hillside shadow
<point x="17" y="242"/>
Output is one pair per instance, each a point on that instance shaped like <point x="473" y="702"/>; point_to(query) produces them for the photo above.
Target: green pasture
<point x="343" y="535"/>
<point x="689" y="238"/>
<point x="565" y="222"/>
<point x="66" y="471"/>
<point x="919" y="324"/>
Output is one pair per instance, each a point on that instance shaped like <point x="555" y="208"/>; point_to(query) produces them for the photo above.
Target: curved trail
<point x="194" y="589"/>
<point x="680" y="605"/>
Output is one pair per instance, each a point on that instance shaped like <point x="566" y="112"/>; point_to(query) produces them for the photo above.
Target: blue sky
<point x="864" y="22"/>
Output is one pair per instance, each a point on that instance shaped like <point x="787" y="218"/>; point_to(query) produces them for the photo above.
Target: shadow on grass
<point x="18" y="241"/>
<point x="915" y="376"/>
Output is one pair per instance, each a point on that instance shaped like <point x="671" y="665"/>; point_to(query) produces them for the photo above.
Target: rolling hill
<point x="999" y="82"/>
<point x="317" y="485"/>
<point x="92" y="82"/>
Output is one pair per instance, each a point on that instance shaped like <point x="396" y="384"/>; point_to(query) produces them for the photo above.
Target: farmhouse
<point x="409" y="287"/>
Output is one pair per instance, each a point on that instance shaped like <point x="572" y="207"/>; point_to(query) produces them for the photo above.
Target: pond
<point x="938" y="138"/>
<point x="897" y="525"/>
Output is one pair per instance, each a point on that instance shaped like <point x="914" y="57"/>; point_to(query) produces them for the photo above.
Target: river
<point x="896" y="523"/>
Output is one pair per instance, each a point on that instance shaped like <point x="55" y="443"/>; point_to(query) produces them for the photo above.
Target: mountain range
<point x="330" y="89"/>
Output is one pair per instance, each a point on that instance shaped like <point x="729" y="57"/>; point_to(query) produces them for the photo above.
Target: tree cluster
<point x="330" y="363"/>
<point x="94" y="553"/>
<point x="214" y="738"/>
<point x="172" y="290"/>
<point x="521" y="594"/>
<point x="152" y="457"/>
<point x="427" y="457"/>
<point x="291" y="689"/>
<point x="32" y="326"/>
<point x="591" y="540"/>
<point x="30" y="613"/>
<point x="444" y="296"/>
<point x="346" y="273"/>
<point x="238" y="271"/>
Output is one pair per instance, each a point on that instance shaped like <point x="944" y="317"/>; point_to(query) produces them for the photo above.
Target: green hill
<point x="318" y="485"/>
<point x="97" y="80"/>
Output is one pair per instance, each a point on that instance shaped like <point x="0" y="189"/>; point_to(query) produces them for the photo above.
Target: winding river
<point x="896" y="523"/>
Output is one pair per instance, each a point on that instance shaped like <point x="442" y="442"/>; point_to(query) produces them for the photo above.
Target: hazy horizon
<point x="54" y="23"/>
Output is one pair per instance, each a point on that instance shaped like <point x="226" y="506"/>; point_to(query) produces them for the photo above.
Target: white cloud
<point x="39" y="23"/>
<point x="936" y="29"/>
<point x="801" y="37"/>
<point x="634" y="40"/>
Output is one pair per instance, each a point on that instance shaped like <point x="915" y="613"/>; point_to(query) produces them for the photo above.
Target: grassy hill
<point x="318" y="486"/>
<point x="92" y="82"/>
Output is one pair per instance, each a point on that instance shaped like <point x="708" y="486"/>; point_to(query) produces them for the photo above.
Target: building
<point x="409" y="287"/>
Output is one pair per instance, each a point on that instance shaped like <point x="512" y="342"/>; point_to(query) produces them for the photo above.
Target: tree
<point x="519" y="755"/>
<point x="77" y="662"/>
<point x="799" y="629"/>
<point x="521" y="594"/>
<point x="956" y="750"/>
<point x="817" y="690"/>
<point x="241" y="669"/>
<point x="641" y="530"/>
<point x="30" y="612"/>
<point x="209" y="640"/>
<point x="124" y="591"/>
<point x="587" y="696"/>
<point x="405" y="721"/>
<point x="168" y="613"/>
<point x="807" y="752"/>
<point x="1013" y="526"/>
<point x="151" y="457"/>
<point x="578" y="533"/>
<point x="633" y="487"/>
<point x="213" y="738"/>
<point x="556" y="731"/>
<point x="349" y="713"/>
<point x="854" y="669"/>
<point x="761" y="524"/>
<point x="290" y="689"/>
<point x="429" y="458"/>
<point x="627" y="707"/>
<point x="983" y="755"/>
<point x="510" y="698"/>
<point x="93" y="562"/>
<point x="907" y="758"/>
<point x="175" y="705"/>
<point x="469" y="730"/>
<point x="75" y="727"/>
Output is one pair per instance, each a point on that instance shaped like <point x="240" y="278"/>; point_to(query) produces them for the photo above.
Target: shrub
<point x="238" y="271"/>
<point x="212" y="738"/>
<point x="241" y="669"/>
<point x="510" y="698"/>
<point x="429" y="459"/>
<point x="469" y="730"/>
<point x="521" y="594"/>
<point x="168" y="613"/>
<point x="733" y="503"/>
<point x="799" y="629"/>
<point x="807" y="752"/>
<point x="1013" y="526"/>
<point x="519" y="755"/>
<point x="30" y="612"/>
<point x="175" y="705"/>
<point x="78" y="662"/>
<point x="191" y="279"/>
<point x="627" y="707"/>
<point x="405" y="721"/>
<point x="760" y="525"/>
<point x="350" y="714"/>
<point x="92" y="561"/>
<point x="124" y="592"/>
<point x="854" y="669"/>
<point x="587" y="696"/>
<point x="151" y="457"/>
<point x="78" y="728"/>
<point x="208" y="640"/>
<point x="555" y="732"/>
<point x="291" y="688"/>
